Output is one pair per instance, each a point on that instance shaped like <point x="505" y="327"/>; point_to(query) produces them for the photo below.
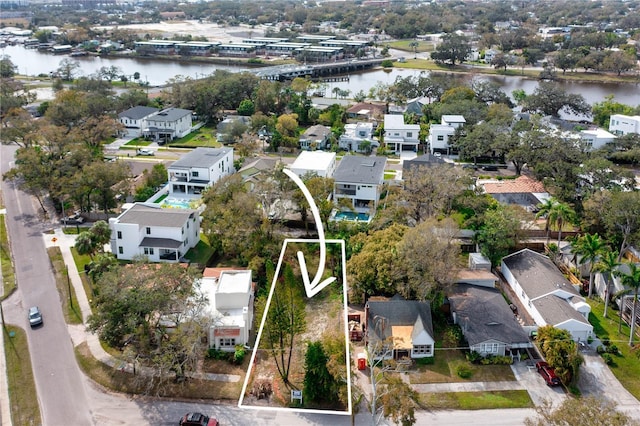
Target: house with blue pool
<point x="357" y="186"/>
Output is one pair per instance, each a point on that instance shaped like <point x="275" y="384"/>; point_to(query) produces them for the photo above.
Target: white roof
<point x="453" y="119"/>
<point x="599" y="133"/>
<point x="313" y="160"/>
<point x="234" y="282"/>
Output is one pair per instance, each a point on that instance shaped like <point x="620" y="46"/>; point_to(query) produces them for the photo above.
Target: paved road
<point x="59" y="382"/>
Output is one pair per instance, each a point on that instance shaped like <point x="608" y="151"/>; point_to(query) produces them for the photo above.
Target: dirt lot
<point x="213" y="32"/>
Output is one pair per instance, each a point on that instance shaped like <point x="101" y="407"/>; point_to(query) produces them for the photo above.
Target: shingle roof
<point x="147" y="215"/>
<point x="483" y="315"/>
<point x="357" y="169"/>
<point x="397" y="312"/>
<point x="201" y="157"/>
<point x="422" y="160"/>
<point x="171" y="114"/>
<point x="523" y="184"/>
<point x="160" y="242"/>
<point x="138" y="112"/>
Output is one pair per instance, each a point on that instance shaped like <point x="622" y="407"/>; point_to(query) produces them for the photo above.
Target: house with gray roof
<point x="546" y="294"/>
<point x="160" y="234"/>
<point x="199" y="169"/>
<point x="315" y="137"/>
<point x="133" y="119"/>
<point x="359" y="180"/>
<point x="167" y="125"/>
<point x="398" y="328"/>
<point x="487" y="322"/>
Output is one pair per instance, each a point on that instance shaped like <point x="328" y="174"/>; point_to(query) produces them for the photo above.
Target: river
<point x="158" y="72"/>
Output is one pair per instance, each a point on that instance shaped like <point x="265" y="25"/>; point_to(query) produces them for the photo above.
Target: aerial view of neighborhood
<point x="340" y="212"/>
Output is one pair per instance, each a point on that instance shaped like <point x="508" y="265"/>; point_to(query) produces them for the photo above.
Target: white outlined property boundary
<point x="348" y="412"/>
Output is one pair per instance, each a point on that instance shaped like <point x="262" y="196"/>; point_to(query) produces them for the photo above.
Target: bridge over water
<point x="289" y="72"/>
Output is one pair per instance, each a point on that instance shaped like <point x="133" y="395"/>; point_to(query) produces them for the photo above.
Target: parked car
<point x="547" y="373"/>
<point x="145" y="151"/>
<point x="74" y="219"/>
<point x="35" y="316"/>
<point x="197" y="419"/>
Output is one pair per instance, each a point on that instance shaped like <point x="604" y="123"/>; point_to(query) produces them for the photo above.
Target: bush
<point x="452" y="337"/>
<point x="600" y="349"/>
<point x="589" y="340"/>
<point x="239" y="354"/>
<point x="213" y="353"/>
<point x="474" y="357"/>
<point x="613" y="349"/>
<point x="387" y="63"/>
<point x="607" y="358"/>
<point x="428" y="360"/>
<point x="606" y="342"/>
<point x="464" y="371"/>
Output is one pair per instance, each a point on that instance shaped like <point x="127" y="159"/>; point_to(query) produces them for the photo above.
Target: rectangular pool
<point x="176" y="203"/>
<point x="354" y="217"/>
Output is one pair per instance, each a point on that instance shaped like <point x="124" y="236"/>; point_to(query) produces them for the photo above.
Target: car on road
<point x="197" y="419"/>
<point x="145" y="151"/>
<point x="35" y="316"/>
<point x="74" y="219"/>
<point x="547" y="373"/>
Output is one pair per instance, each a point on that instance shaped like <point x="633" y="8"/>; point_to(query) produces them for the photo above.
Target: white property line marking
<point x="344" y="320"/>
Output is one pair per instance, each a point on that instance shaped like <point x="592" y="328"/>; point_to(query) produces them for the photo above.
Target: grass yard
<point x="201" y="253"/>
<point x="627" y="364"/>
<point x="475" y="400"/>
<point x="71" y="311"/>
<point x="204" y="136"/>
<point x="444" y="370"/>
<point x="8" y="276"/>
<point x="24" y="406"/>
<point x="423" y="46"/>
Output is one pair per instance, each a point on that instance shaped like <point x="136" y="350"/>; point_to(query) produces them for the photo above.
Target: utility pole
<point x="66" y="268"/>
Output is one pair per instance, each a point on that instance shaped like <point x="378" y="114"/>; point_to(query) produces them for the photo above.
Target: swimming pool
<point x="359" y="217"/>
<point x="175" y="203"/>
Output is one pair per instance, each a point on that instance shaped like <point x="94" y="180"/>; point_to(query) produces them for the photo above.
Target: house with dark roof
<point x="160" y="234"/>
<point x="487" y="322"/>
<point x="399" y="328"/>
<point x="199" y="169"/>
<point x="315" y="137"/>
<point x="367" y="111"/>
<point x="426" y="160"/>
<point x="548" y="297"/>
<point x="167" y="125"/>
<point x="133" y="119"/>
<point x="359" y="180"/>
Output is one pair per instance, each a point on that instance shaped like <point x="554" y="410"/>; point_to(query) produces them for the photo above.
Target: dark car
<point x="197" y="419"/>
<point x="35" y="316"/>
<point x="547" y="373"/>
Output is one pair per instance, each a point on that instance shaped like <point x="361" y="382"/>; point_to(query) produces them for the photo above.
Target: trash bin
<point x="362" y="362"/>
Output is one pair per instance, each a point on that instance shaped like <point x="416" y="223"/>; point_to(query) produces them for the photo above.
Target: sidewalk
<point x="5" y="406"/>
<point x="467" y="387"/>
<point x="79" y="333"/>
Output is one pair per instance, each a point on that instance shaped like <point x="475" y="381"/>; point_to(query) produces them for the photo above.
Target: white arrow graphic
<point x="314" y="287"/>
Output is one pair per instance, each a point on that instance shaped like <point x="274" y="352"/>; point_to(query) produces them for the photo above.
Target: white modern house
<point x="621" y="124"/>
<point x="134" y="118"/>
<point x="596" y="138"/>
<point x="399" y="136"/>
<point x="231" y="297"/>
<point x="359" y="179"/>
<point x="355" y="134"/>
<point x="548" y="297"/>
<point x="167" y="125"/>
<point x="319" y="163"/>
<point x="162" y="235"/>
<point x="439" y="134"/>
<point x="199" y="169"/>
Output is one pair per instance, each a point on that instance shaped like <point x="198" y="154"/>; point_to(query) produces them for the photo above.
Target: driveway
<point x="529" y="379"/>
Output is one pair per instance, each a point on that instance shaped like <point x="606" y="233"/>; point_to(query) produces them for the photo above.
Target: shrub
<point x="600" y="349"/>
<point x="452" y="337"/>
<point x="213" y="353"/>
<point x="239" y="354"/>
<point x="387" y="63"/>
<point x="606" y="342"/>
<point x="589" y="340"/>
<point x="607" y="358"/>
<point x="464" y="371"/>
<point x="428" y="360"/>
<point x="474" y="357"/>
<point x="613" y="349"/>
<point x="486" y="361"/>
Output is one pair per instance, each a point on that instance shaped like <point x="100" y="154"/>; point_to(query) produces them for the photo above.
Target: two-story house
<point x="133" y="120"/>
<point x="315" y="137"/>
<point x="231" y="297"/>
<point x="399" y="136"/>
<point x="439" y="134"/>
<point x="621" y="124"/>
<point x="162" y="235"/>
<point x="318" y="163"/>
<point x="199" y="169"/>
<point x="359" y="180"/>
<point x="358" y="137"/>
<point x="167" y="125"/>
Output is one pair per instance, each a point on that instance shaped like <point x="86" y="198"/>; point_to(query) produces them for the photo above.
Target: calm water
<point x="33" y="62"/>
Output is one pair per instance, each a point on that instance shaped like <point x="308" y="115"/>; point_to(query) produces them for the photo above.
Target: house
<point x="253" y="172"/>
<point x="167" y="125"/>
<point x="523" y="191"/>
<point x="133" y="119"/>
<point x="427" y="160"/>
<point x="596" y="138"/>
<point x="315" y="137"/>
<point x="162" y="235"/>
<point x="487" y="322"/>
<point x="548" y="297"/>
<point x="199" y="169"/>
<point x="399" y="136"/>
<point x="399" y="328"/>
<point x="621" y="124"/>
<point x="231" y="297"/>
<point x="359" y="179"/>
<point x="317" y="163"/>
<point x="478" y="272"/>
<point x="367" y="111"/>
<point x="489" y="54"/>
<point x="356" y="136"/>
<point x="439" y="134"/>
<point x="412" y="106"/>
<point x="224" y="128"/>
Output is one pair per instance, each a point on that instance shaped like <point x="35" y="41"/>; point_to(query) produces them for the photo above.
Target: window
<point x="120" y="250"/>
<point x="409" y="134"/>
<point x="148" y="251"/>
<point x="229" y="343"/>
<point x="440" y="137"/>
<point x="422" y="349"/>
<point x="119" y="235"/>
<point x="148" y="230"/>
<point x="194" y="174"/>
<point x="490" y="348"/>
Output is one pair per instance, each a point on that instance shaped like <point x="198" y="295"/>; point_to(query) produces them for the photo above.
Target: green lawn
<point x="8" y="277"/>
<point x="70" y="307"/>
<point x="475" y="400"/>
<point x="423" y="46"/>
<point x="627" y="364"/>
<point x="201" y="253"/>
<point x="444" y="370"/>
<point x="204" y="136"/>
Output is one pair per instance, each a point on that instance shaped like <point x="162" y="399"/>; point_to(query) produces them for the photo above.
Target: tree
<point x="7" y="67"/>
<point x="67" y="69"/>
<point x="550" y="99"/>
<point x="453" y="48"/>
<point x="619" y="62"/>
<point x="544" y="210"/>
<point x="560" y="214"/>
<point x="602" y="111"/>
<point x="287" y="126"/>
<point x="621" y="218"/>
<point x="399" y="401"/>
<point x="607" y="265"/>
<point x="85" y="244"/>
<point x="414" y="45"/>
<point x="589" y="247"/>
<point x="582" y="411"/>
<point x="631" y="281"/>
<point x="246" y="108"/>
<point x="500" y="60"/>
<point x="318" y="382"/>
<point x="500" y="232"/>
<point x="561" y="352"/>
<point x="565" y="60"/>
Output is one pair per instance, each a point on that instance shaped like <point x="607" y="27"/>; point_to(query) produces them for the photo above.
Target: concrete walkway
<point x="467" y="387"/>
<point x="79" y="333"/>
<point x="5" y="406"/>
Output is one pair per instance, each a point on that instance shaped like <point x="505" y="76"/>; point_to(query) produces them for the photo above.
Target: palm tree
<point x="631" y="281"/>
<point x="608" y="264"/>
<point x="589" y="247"/>
<point x="85" y="244"/>
<point x="544" y="210"/>
<point x="560" y="214"/>
<point x="414" y="44"/>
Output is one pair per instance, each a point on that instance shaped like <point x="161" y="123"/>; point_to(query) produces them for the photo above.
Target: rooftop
<point x="313" y="160"/>
<point x="144" y="214"/>
<point x="201" y="158"/>
<point x="522" y="184"/>
<point x="357" y="169"/>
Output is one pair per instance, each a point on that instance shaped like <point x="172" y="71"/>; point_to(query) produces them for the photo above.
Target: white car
<point x="145" y="151"/>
